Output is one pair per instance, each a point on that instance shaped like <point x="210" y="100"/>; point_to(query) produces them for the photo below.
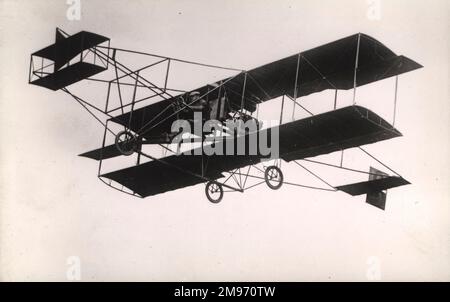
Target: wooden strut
<point x="133" y="100"/>
<point x="295" y="87"/>
<point x="395" y="102"/>
<point x="101" y="150"/>
<point x="243" y="93"/>
<point x="356" y="68"/>
<point x="335" y="98"/>
<point x="282" y="107"/>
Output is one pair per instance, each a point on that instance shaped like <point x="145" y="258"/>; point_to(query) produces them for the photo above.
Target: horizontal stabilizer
<point x="65" y="49"/>
<point x="373" y="186"/>
<point x="112" y="151"/>
<point x="102" y="153"/>
<point x="69" y="75"/>
<point x="65" y="72"/>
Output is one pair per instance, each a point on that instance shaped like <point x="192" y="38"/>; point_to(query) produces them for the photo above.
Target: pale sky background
<point x="52" y="206"/>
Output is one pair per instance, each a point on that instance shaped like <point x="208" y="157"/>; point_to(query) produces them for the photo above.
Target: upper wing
<point x="330" y="66"/>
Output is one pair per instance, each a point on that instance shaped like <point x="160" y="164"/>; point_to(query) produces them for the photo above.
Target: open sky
<point x="52" y="206"/>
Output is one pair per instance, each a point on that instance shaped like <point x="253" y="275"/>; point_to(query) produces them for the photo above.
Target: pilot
<point x="198" y="104"/>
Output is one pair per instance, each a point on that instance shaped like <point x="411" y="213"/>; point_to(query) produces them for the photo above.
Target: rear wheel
<point x="214" y="191"/>
<point x="273" y="177"/>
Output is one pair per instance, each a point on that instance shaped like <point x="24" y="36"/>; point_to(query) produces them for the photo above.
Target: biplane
<point x="138" y="122"/>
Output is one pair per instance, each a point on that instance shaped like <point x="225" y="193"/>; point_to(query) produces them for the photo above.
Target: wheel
<point x="126" y="142"/>
<point x="214" y="191"/>
<point x="273" y="177"/>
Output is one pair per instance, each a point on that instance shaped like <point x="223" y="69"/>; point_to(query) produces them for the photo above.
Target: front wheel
<point x="126" y="143"/>
<point x="273" y="177"/>
<point x="214" y="191"/>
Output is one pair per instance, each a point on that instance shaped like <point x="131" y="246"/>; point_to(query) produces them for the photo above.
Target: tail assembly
<point x="375" y="188"/>
<point x="55" y="66"/>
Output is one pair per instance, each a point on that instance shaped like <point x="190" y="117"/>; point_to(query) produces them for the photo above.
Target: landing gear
<point x="214" y="191"/>
<point x="126" y="142"/>
<point x="273" y="177"/>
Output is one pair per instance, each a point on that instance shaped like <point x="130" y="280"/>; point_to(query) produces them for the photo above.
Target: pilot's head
<point x="194" y="95"/>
